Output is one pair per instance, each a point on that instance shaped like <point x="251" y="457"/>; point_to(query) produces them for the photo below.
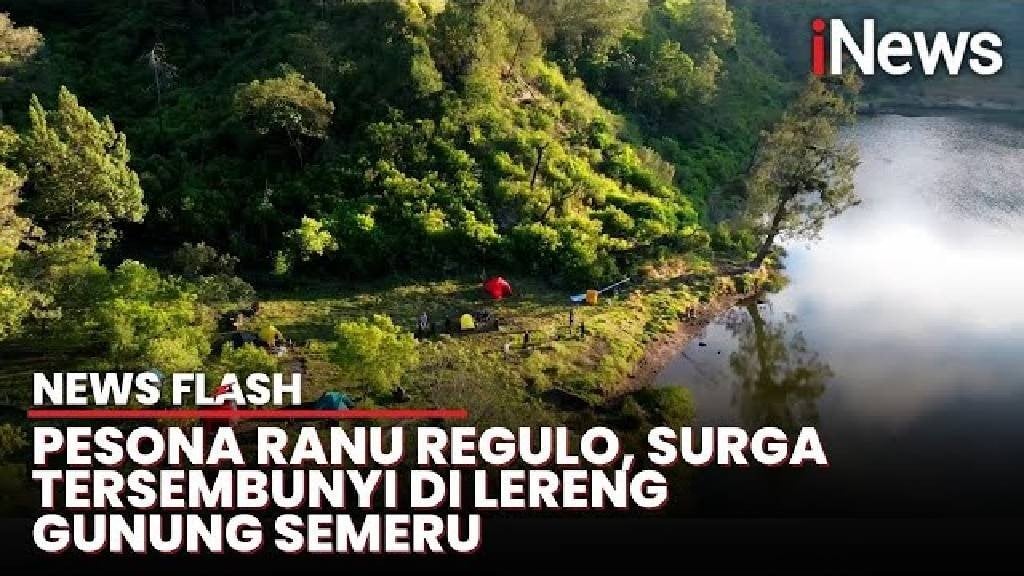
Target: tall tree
<point x="16" y="298"/>
<point x="673" y="65"/>
<point x="803" y="173"/>
<point x="79" y="181"/>
<point x="473" y="40"/>
<point x="163" y="72"/>
<point x="701" y="24"/>
<point x="574" y="28"/>
<point x="288" y="104"/>
<point x="148" y="321"/>
<point x="13" y="227"/>
<point x="14" y="302"/>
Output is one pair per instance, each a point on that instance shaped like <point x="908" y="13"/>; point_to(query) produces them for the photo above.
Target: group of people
<point x="576" y="329"/>
<point x="572" y="325"/>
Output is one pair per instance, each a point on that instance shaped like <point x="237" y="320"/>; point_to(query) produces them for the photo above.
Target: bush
<point x="310" y="239"/>
<point x="375" y="352"/>
<point x="151" y="321"/>
<point x="12" y="440"/>
<point x="223" y="288"/>
<point x="195" y="260"/>
<point x="672" y="404"/>
<point x="247" y="360"/>
<point x="729" y="241"/>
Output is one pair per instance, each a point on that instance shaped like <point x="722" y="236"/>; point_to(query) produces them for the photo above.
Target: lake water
<point x="900" y="336"/>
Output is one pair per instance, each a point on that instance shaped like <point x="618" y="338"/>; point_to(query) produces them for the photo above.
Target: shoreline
<point x="882" y="108"/>
<point x="662" y="350"/>
<point x="659" y="353"/>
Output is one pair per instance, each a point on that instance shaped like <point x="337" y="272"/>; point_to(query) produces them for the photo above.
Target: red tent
<point x="498" y="288"/>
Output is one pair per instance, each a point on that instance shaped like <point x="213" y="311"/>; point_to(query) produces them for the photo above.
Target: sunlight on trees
<point x="803" y="173"/>
<point x="12" y="226"/>
<point x="578" y="140"/>
<point x="78" y="170"/>
<point x="17" y="44"/>
<point x="287" y="104"/>
<point x="374" y="352"/>
<point x="574" y="28"/>
<point x="311" y="239"/>
<point x="150" y="321"/>
<point x="246" y="360"/>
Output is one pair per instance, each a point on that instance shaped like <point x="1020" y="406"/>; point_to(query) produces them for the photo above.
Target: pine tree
<point x="79" y="180"/>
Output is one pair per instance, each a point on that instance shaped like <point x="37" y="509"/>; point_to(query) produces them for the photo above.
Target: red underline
<point x="283" y="414"/>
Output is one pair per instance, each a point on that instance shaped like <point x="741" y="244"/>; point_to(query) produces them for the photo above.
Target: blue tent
<point x="333" y="401"/>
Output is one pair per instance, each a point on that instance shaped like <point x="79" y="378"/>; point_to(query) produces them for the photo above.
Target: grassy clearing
<point x="556" y="374"/>
<point x="473" y="370"/>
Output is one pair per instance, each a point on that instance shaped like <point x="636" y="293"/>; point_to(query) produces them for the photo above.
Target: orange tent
<point x="498" y="288"/>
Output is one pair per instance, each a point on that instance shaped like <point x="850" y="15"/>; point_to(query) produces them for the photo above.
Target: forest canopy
<point x="579" y="138"/>
<point x="158" y="159"/>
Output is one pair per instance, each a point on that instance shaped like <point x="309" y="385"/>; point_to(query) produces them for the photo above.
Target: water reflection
<point x="778" y="377"/>
<point x="900" y="335"/>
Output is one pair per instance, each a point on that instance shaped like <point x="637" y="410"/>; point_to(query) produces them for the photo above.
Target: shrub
<point x="195" y="260"/>
<point x="153" y="320"/>
<point x="246" y="360"/>
<point x="675" y="404"/>
<point x="375" y="352"/>
<point x="12" y="440"/>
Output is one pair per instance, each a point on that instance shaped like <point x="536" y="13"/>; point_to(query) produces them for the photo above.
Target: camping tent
<point x="332" y="400"/>
<point x="241" y="338"/>
<point x="466" y="322"/>
<point x="498" y="288"/>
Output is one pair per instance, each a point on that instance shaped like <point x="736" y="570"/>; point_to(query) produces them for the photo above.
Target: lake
<point x="900" y="337"/>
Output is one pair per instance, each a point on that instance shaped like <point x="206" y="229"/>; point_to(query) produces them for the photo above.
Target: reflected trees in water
<point x="779" y="379"/>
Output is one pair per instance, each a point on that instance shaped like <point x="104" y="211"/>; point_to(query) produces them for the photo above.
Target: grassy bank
<point x="557" y="371"/>
<point x="560" y="378"/>
<point x="557" y="374"/>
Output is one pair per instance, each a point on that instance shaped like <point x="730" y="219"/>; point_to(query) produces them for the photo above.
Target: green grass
<point x="591" y="368"/>
<point x="471" y="370"/>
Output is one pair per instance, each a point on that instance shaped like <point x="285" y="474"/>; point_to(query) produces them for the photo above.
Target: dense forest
<point x="160" y="158"/>
<point x="576" y="138"/>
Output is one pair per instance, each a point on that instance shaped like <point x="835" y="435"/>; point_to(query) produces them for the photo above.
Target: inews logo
<point x="896" y="53"/>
